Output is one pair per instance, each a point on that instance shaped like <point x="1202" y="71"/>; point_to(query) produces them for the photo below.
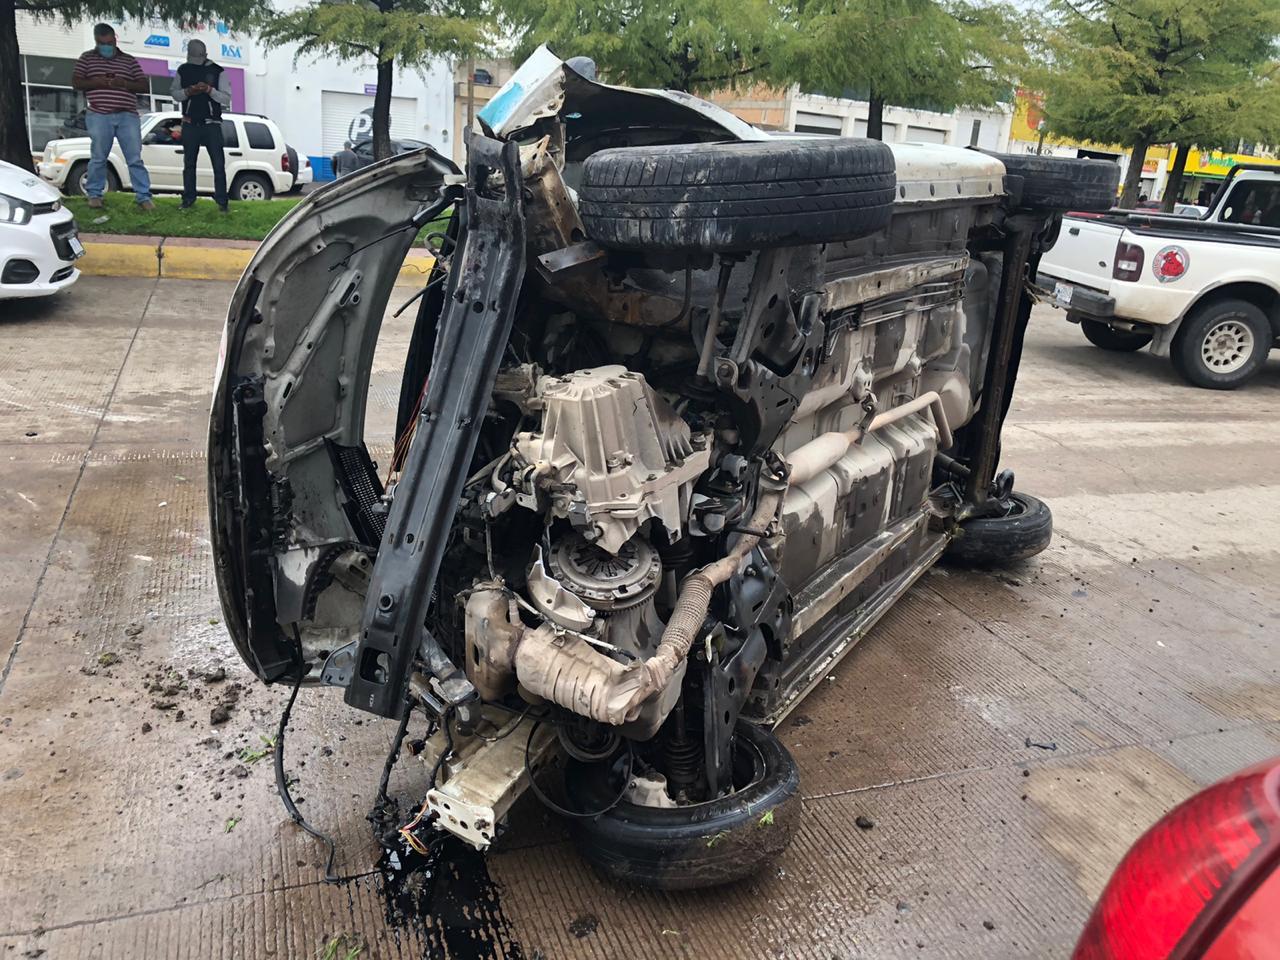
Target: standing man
<point x="111" y="80"/>
<point x="201" y="86"/>
<point x="344" y="161"/>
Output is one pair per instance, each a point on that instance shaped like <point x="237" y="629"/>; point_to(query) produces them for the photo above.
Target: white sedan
<point x="39" y="244"/>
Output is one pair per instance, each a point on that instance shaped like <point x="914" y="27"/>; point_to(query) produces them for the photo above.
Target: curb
<point x="186" y="258"/>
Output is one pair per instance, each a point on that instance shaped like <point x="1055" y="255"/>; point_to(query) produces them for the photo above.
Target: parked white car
<point x="38" y="241"/>
<point x="258" y="161"/>
<point x="1203" y="292"/>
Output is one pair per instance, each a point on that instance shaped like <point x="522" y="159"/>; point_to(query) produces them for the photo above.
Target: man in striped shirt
<point x="111" y="79"/>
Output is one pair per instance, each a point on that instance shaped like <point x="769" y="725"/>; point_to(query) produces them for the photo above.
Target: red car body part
<point x="1199" y="882"/>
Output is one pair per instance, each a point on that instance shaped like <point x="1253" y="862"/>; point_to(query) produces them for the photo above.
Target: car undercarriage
<point x="687" y="407"/>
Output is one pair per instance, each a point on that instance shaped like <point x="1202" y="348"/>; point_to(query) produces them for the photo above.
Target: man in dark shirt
<point x="200" y="85"/>
<point x="345" y="161"/>
<point x="111" y="80"/>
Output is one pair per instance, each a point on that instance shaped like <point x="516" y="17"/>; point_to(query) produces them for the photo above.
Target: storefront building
<point x="49" y="51"/>
<point x="318" y="103"/>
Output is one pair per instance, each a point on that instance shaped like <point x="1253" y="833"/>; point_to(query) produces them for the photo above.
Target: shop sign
<point x="156" y="36"/>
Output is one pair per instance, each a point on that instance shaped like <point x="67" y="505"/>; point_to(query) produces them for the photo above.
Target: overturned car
<point x="687" y="407"/>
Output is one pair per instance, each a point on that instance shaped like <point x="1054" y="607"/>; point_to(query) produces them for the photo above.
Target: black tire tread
<point x="73" y="178"/>
<point x="1120" y="341"/>
<point x="736" y="196"/>
<point x="234" y="188"/>
<point x="711" y="844"/>
<point x="1059" y="183"/>
<point x="1001" y="540"/>
<point x="1184" y="352"/>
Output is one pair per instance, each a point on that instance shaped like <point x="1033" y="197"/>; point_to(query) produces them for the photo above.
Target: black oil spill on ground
<point x="448" y="900"/>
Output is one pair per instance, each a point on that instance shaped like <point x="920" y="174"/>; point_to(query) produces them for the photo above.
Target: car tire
<point x="730" y="197"/>
<point x="1056" y="183"/>
<point x="694" y="845"/>
<point x="293" y="169"/>
<point x="1109" y="338"/>
<point x="251" y="186"/>
<point x="74" y="185"/>
<point x="1019" y="531"/>
<point x="1222" y="344"/>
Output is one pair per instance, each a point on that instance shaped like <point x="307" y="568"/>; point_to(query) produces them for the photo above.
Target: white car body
<point x="253" y="154"/>
<point x="39" y="245"/>
<point x="1233" y="251"/>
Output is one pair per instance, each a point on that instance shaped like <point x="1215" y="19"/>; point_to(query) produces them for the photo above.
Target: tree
<point x="15" y="141"/>
<point x="1248" y="110"/>
<point x="410" y="33"/>
<point x="934" y="54"/>
<point x="1140" y="72"/>
<point x="689" y="45"/>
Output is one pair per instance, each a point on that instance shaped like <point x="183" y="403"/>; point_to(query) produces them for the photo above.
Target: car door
<point x="232" y="151"/>
<point x="1253" y="201"/>
<point x="162" y="153"/>
<point x="261" y="152"/>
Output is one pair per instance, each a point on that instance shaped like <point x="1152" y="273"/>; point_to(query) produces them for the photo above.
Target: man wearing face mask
<point x="111" y="80"/>
<point x="201" y="86"/>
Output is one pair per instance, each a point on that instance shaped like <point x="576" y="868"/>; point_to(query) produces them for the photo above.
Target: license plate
<point x="1062" y="293"/>
<point x="77" y="247"/>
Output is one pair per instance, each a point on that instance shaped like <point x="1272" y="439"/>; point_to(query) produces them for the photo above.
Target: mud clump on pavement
<point x="221" y="711"/>
<point x="584" y="925"/>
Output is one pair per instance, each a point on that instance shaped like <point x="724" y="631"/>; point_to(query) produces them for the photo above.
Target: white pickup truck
<point x="1203" y="292"/>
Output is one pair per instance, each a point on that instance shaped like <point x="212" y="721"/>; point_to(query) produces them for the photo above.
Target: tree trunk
<point x="382" y="110"/>
<point x="1173" y="188"/>
<point x="1133" y="176"/>
<point x="875" y="117"/>
<point x="15" y="143"/>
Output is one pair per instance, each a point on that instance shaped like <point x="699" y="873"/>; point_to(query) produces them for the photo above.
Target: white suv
<point x="258" y="160"/>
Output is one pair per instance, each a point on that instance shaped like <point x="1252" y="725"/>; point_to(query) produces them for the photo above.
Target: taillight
<point x="1129" y="257"/>
<point x="1185" y="877"/>
<point x="284" y="162"/>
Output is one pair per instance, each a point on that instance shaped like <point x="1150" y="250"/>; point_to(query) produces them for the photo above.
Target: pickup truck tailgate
<point x="1084" y="252"/>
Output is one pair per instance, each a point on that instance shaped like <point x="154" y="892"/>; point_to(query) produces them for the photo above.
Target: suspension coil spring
<point x="684" y="762"/>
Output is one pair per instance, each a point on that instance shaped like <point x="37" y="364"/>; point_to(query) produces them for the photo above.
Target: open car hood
<point x="292" y="495"/>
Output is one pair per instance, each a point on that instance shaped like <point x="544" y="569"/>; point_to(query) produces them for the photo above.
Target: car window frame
<point x="232" y="143"/>
<point x="249" y="130"/>
<point x="1243" y="196"/>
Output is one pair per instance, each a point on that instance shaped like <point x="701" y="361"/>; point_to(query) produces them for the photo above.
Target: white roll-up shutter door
<point x="50" y="38"/>
<point x="349" y="116"/>
<point x="926" y="135"/>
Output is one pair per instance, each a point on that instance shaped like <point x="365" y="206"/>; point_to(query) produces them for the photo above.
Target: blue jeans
<point x="103" y="129"/>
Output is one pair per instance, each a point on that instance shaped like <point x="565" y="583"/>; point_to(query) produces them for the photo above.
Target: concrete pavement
<point x="1142" y="646"/>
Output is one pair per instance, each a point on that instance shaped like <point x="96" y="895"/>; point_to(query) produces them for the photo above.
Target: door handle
<point x="177" y="150"/>
<point x="234" y="153"/>
<point x="1074" y="231"/>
